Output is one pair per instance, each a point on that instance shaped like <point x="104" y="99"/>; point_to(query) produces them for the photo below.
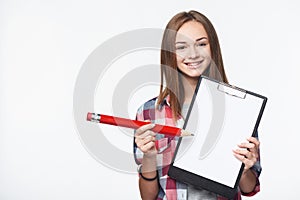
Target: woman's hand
<point x="145" y="140"/>
<point x="248" y="152"/>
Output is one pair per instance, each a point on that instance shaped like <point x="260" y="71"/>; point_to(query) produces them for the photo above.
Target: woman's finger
<point x="147" y="147"/>
<point x="254" y="141"/>
<point x="242" y="152"/>
<point x="252" y="145"/>
<point x="246" y="145"/>
<point x="143" y="129"/>
<point x="248" y="162"/>
<point x="247" y="157"/>
<point x="146" y="134"/>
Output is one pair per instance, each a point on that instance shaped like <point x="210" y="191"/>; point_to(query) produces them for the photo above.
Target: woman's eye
<point x="201" y="44"/>
<point x="180" y="47"/>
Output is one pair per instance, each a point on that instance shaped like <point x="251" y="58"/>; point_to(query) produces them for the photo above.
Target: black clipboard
<point x="221" y="116"/>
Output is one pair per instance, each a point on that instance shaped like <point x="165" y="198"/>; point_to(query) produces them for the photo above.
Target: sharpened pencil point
<point x="186" y="133"/>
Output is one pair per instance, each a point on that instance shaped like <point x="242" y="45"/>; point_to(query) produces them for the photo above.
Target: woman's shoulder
<point x="147" y="110"/>
<point x="148" y="105"/>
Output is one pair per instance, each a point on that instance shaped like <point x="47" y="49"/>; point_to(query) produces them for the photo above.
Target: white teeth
<point x="193" y="64"/>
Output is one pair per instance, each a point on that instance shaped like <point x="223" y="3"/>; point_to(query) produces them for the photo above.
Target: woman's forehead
<point x="191" y="30"/>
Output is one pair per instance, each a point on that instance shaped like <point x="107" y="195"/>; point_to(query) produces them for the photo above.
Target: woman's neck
<point x="189" y="85"/>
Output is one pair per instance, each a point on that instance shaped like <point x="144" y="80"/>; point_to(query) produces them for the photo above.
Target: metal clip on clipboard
<point x="232" y="90"/>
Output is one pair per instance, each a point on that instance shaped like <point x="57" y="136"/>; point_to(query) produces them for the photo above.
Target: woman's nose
<point x="194" y="52"/>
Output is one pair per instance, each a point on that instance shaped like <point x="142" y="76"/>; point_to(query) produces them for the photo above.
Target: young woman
<point x="190" y="48"/>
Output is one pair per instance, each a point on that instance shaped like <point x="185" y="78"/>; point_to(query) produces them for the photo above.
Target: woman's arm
<point x="148" y="189"/>
<point x="248" y="182"/>
<point x="145" y="141"/>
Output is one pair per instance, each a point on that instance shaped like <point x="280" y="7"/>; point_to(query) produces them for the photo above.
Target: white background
<point x="43" y="45"/>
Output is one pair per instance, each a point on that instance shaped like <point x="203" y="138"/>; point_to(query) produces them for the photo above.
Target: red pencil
<point x="135" y="124"/>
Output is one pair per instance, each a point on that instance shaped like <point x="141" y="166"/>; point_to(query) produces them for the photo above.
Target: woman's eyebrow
<point x="202" y="38"/>
<point x="180" y="42"/>
<point x="184" y="42"/>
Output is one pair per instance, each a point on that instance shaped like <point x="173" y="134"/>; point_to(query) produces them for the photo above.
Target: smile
<point x="193" y="65"/>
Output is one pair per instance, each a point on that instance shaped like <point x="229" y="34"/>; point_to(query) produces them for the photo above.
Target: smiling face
<point x="192" y="49"/>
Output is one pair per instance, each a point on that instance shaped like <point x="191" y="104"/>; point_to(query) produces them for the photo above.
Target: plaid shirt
<point x="169" y="188"/>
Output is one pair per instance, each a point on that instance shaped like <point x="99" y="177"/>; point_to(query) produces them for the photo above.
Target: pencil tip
<point x="186" y="133"/>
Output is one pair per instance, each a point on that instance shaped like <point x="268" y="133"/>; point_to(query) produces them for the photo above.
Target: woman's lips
<point x="193" y="65"/>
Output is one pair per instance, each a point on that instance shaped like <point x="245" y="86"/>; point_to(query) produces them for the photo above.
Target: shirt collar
<point x="166" y="101"/>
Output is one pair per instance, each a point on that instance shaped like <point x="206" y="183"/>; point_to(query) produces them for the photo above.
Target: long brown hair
<point x="169" y="69"/>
